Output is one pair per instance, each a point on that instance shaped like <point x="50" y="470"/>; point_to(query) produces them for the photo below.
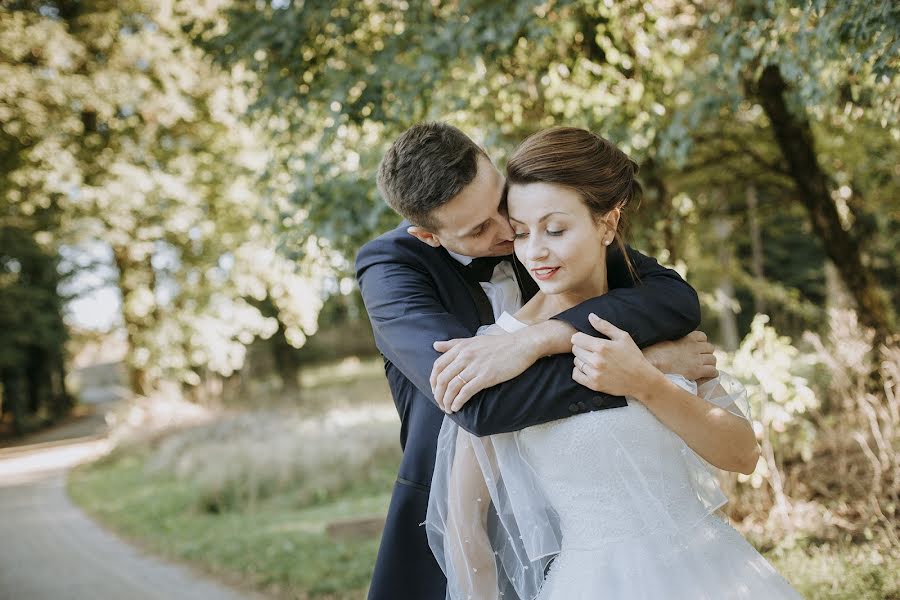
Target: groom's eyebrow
<point x="542" y="219"/>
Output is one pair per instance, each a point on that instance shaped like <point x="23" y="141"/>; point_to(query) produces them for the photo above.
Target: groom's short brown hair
<point x="424" y="168"/>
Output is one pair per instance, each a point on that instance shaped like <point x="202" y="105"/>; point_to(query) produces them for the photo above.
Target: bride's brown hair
<point x="592" y="166"/>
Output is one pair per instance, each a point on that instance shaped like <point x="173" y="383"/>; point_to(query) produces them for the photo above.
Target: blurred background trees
<point x="213" y="164"/>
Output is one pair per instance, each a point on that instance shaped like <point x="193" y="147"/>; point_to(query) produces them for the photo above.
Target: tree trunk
<point x="138" y="378"/>
<point x="756" y="253"/>
<point x="794" y="137"/>
<point x="725" y="298"/>
<point x="661" y="197"/>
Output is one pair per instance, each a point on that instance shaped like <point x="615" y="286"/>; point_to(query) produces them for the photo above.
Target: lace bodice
<point x="620" y="503"/>
<point x="616" y="473"/>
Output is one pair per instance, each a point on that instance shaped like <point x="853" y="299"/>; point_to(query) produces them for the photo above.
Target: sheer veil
<point x="489" y="522"/>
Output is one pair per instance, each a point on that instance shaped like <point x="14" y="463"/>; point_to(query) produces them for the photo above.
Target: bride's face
<point x="558" y="240"/>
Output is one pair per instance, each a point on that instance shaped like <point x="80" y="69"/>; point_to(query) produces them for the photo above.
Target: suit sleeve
<point x="660" y="306"/>
<point x="408" y="317"/>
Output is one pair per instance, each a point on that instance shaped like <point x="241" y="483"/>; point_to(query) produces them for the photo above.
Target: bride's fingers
<point x="586" y="369"/>
<point x="588" y="342"/>
<point x="585" y="356"/>
<point x="579" y="377"/>
<point x="708" y="372"/>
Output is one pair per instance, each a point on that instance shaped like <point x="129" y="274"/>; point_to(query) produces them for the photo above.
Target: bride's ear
<point x="611" y="220"/>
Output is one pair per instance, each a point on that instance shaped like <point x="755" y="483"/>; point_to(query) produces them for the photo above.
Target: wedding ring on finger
<point x="579" y="366"/>
<point x="461" y="379"/>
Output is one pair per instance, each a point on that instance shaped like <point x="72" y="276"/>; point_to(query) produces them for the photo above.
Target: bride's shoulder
<point x="536" y="310"/>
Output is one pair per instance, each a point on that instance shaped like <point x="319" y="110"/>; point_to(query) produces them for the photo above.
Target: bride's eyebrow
<point x="542" y="219"/>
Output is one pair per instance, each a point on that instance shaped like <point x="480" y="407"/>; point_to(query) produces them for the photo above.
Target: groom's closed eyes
<point x="479" y="229"/>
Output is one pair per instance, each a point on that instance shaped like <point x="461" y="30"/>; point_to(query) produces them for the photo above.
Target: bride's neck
<point x="545" y="306"/>
<point x="593" y="287"/>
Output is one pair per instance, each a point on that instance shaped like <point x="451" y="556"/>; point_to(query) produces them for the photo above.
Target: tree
<point x="674" y="83"/>
<point x="123" y="126"/>
<point x="836" y="62"/>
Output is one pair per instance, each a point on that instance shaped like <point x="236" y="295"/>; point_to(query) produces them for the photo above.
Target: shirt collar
<point x="461" y="259"/>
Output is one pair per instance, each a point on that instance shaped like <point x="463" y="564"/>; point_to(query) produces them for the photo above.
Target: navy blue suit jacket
<point x="416" y="294"/>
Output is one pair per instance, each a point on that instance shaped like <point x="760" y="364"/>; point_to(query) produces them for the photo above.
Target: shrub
<point x="240" y="460"/>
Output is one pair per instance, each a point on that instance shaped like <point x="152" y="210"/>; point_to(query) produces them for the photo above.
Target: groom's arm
<point x="650" y="308"/>
<point x="408" y="316"/>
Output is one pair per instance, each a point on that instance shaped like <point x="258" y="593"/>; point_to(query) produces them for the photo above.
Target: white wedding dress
<point x="630" y="514"/>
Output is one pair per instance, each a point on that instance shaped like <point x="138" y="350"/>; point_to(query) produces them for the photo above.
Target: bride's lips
<point x="544" y="273"/>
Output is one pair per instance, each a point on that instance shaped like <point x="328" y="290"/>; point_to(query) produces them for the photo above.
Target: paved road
<point x="49" y="549"/>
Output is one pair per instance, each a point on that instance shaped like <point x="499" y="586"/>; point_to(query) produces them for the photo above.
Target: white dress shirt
<point x="502" y="290"/>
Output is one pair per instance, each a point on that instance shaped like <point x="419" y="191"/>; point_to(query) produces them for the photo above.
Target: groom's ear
<point x="424" y="235"/>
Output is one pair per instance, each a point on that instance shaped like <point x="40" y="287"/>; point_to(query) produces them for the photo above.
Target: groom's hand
<point x="473" y="364"/>
<point x="691" y="356"/>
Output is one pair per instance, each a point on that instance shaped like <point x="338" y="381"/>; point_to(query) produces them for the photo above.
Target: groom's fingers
<point x="441" y="363"/>
<point x="465" y="394"/>
<point x="451" y="391"/>
<point x="445" y="345"/>
<point x="443" y="382"/>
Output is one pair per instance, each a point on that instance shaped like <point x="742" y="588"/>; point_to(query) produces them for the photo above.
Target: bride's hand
<point x="614" y="366"/>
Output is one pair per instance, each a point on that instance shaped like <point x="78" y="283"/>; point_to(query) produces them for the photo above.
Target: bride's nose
<point x="535" y="250"/>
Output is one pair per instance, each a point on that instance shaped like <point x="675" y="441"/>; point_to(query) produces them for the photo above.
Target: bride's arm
<point x="720" y="437"/>
<point x="470" y="553"/>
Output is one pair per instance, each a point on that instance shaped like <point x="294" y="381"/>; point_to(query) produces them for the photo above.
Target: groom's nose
<point x="505" y="230"/>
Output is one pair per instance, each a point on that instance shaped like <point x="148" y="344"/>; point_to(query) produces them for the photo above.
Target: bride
<point x="617" y="504"/>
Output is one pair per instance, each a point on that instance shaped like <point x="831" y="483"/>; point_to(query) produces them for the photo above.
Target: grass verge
<point x="285" y="551"/>
<point x="279" y="548"/>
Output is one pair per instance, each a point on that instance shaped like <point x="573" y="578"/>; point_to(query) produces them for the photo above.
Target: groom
<point x="445" y="271"/>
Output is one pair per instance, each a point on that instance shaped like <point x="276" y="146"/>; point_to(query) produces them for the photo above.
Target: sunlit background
<point x="184" y="186"/>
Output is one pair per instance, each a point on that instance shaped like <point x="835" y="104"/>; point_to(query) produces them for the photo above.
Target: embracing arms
<point x="473" y="364"/>
<point x="719" y="436"/>
<point x="408" y="314"/>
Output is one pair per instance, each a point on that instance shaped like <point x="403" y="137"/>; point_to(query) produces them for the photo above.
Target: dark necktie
<point x="483" y="268"/>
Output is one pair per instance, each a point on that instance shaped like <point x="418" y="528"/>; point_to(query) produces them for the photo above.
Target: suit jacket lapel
<point x="527" y="286"/>
<point x="476" y="292"/>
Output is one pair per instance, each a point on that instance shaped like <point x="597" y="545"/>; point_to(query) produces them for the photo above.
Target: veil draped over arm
<point x="490" y="525"/>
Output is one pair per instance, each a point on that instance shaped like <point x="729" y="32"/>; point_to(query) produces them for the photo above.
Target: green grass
<point x="840" y="570"/>
<point x="280" y="548"/>
<point x="284" y="549"/>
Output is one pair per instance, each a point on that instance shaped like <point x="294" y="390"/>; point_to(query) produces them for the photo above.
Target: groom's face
<point x="474" y="222"/>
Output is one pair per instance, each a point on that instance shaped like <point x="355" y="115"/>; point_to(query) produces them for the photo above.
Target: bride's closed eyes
<point x="523" y="234"/>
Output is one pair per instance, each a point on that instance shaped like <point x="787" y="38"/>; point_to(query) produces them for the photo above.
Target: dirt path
<point x="50" y="550"/>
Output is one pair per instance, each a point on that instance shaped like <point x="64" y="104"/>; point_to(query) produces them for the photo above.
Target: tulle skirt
<point x="710" y="561"/>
